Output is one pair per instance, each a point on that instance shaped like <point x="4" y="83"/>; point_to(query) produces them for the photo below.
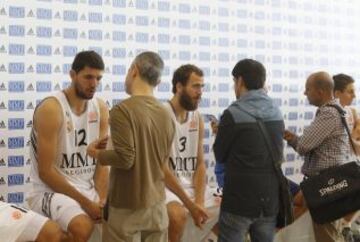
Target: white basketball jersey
<point x="75" y="133"/>
<point x="184" y="150"/>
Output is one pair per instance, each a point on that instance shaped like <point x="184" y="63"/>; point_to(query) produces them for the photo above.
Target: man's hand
<point x="214" y="126"/>
<point x="93" y="209"/>
<point x="288" y="135"/>
<point x="91" y="150"/>
<point x="198" y="214"/>
<point x="102" y="142"/>
<point x="94" y="147"/>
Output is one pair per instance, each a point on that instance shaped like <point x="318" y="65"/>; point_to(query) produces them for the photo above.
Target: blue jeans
<point x="233" y="228"/>
<point x="220" y="173"/>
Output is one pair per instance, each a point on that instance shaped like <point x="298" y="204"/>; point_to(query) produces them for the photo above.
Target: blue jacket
<point x="251" y="186"/>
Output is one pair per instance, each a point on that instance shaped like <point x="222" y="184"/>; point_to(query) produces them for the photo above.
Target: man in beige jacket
<point x="142" y="133"/>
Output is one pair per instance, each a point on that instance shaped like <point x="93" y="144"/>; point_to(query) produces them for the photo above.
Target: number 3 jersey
<point x="75" y="133"/>
<point x="184" y="150"/>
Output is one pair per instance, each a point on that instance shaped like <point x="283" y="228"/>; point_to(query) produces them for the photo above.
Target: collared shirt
<point x="325" y="142"/>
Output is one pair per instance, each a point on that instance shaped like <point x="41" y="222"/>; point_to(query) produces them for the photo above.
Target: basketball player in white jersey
<point x="186" y="157"/>
<point x="68" y="186"/>
<point x="18" y="224"/>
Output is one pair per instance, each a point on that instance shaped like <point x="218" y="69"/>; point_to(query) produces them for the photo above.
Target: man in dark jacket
<point x="251" y="191"/>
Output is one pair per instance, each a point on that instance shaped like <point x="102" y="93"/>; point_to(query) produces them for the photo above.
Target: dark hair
<point x="182" y="75"/>
<point x="87" y="58"/>
<point x="341" y="81"/>
<point x="150" y="66"/>
<point x="252" y="72"/>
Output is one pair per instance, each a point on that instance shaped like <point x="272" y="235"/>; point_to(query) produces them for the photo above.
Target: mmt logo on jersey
<point x="16" y="142"/>
<point x="16" y="161"/>
<point x="15" y="197"/>
<point x="16" y="105"/>
<point x="16" y="123"/>
<point x="15" y="179"/>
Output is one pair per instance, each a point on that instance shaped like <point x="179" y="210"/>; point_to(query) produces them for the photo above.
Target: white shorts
<point x="210" y="200"/>
<point x="19" y="224"/>
<point x="59" y="207"/>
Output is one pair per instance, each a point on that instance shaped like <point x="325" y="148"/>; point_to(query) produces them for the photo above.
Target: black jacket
<point x="251" y="186"/>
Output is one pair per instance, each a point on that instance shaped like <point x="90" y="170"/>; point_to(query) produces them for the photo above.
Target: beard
<point x="188" y="103"/>
<point x="82" y="94"/>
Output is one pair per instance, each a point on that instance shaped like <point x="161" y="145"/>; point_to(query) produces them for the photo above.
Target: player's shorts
<point x="59" y="207"/>
<point x="209" y="198"/>
<point x="18" y="224"/>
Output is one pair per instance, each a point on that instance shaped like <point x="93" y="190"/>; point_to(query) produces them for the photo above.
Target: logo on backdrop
<point x="15" y="179"/>
<point x="15" y="197"/>
<point x="16" y="161"/>
<point x="16" y="142"/>
<point x="16" y="123"/>
<point x="2" y="124"/>
<point x="2" y="181"/>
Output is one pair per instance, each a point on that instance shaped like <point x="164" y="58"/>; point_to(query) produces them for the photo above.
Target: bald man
<point x="324" y="142"/>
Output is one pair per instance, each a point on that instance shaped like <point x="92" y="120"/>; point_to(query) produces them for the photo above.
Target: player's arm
<point x="199" y="179"/>
<point x="48" y="119"/>
<point x="101" y="176"/>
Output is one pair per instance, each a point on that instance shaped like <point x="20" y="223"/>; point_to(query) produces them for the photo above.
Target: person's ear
<point x="179" y="87"/>
<point x="72" y="74"/>
<point x="337" y="93"/>
<point x="134" y="71"/>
